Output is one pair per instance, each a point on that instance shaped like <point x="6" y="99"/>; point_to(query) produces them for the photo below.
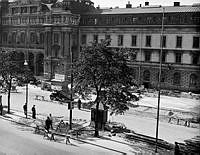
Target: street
<point x="139" y="124"/>
<point x="16" y="140"/>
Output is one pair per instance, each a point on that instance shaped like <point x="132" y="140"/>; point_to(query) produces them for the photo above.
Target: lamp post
<point x="9" y="90"/>
<point x="26" y="103"/>
<point x="159" y="78"/>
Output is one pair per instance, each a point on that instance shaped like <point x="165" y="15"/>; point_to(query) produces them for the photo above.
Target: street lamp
<point x="26" y="103"/>
<point x="71" y="80"/>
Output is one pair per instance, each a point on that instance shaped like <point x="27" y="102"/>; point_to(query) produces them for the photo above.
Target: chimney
<point x="146" y="3"/>
<point x="128" y="5"/>
<point x="176" y="3"/>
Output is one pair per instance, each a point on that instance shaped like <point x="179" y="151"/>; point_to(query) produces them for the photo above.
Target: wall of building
<point x="185" y="67"/>
<point x="67" y="28"/>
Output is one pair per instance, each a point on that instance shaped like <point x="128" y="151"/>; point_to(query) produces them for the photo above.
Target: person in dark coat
<point x="79" y="104"/>
<point x="1" y="106"/>
<point x="176" y="149"/>
<point x="51" y="119"/>
<point x="48" y="123"/>
<point x="25" y="109"/>
<point x="33" y="112"/>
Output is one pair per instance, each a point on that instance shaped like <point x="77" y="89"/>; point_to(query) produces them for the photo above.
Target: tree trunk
<point x="96" y="134"/>
<point x="9" y="89"/>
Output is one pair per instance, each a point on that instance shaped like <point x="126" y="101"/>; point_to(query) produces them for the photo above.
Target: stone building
<point x="49" y="33"/>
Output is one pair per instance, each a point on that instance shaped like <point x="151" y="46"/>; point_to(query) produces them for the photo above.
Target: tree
<point x="105" y="71"/>
<point x="10" y="67"/>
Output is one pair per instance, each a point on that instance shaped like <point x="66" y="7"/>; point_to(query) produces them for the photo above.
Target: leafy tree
<point x="104" y="71"/>
<point x="10" y="67"/>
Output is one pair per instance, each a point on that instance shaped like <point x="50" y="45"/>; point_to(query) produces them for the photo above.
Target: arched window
<point x="41" y="38"/>
<point x="5" y="37"/>
<point x="193" y="79"/>
<point x="177" y="78"/>
<point x="18" y="38"/>
<point x="146" y="75"/>
<point x="40" y="63"/>
<point x="14" y="37"/>
<point x="22" y="37"/>
<point x="33" y="37"/>
<point x="9" y="38"/>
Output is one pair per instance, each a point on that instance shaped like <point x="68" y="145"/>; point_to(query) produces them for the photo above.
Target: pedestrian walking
<point x="170" y="114"/>
<point x="33" y="112"/>
<point x="1" y="106"/>
<point x="67" y="136"/>
<point x="51" y="119"/>
<point x="176" y="149"/>
<point x="79" y="104"/>
<point x="25" y="109"/>
<point x="47" y="123"/>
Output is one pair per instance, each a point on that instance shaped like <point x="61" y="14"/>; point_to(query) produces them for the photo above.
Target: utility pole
<point x="140" y="51"/>
<point x="51" y="42"/>
<point x="159" y="79"/>
<point x="71" y="80"/>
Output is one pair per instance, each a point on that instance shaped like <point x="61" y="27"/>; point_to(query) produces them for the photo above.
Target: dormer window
<point x="95" y="21"/>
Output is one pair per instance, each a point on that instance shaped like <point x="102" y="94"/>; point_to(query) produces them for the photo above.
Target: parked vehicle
<point x="115" y="127"/>
<point x="59" y="96"/>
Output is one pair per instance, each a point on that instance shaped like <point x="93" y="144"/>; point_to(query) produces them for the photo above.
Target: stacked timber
<point x="150" y="140"/>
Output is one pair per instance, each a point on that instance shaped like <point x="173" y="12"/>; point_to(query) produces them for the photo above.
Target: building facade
<point x="49" y="35"/>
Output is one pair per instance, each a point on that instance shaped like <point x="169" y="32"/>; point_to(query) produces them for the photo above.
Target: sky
<point x="135" y="3"/>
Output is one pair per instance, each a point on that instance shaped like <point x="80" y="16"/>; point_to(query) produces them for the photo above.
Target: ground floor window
<point x="193" y="79"/>
<point x="177" y="78"/>
<point x="146" y="75"/>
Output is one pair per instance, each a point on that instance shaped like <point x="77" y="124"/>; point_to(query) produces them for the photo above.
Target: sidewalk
<point x="114" y="144"/>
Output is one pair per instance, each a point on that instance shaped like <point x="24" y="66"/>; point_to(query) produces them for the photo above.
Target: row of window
<point x="22" y="37"/>
<point x="176" y="78"/>
<point x="41" y="19"/>
<point x="148" y="40"/>
<point x="31" y="9"/>
<point x="34" y="38"/>
<point x="177" y="57"/>
<point x="176" y="18"/>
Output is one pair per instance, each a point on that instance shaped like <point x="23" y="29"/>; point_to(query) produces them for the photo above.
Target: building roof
<point x="151" y="9"/>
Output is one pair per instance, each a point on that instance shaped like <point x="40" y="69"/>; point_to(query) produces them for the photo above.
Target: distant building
<point x="47" y="33"/>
